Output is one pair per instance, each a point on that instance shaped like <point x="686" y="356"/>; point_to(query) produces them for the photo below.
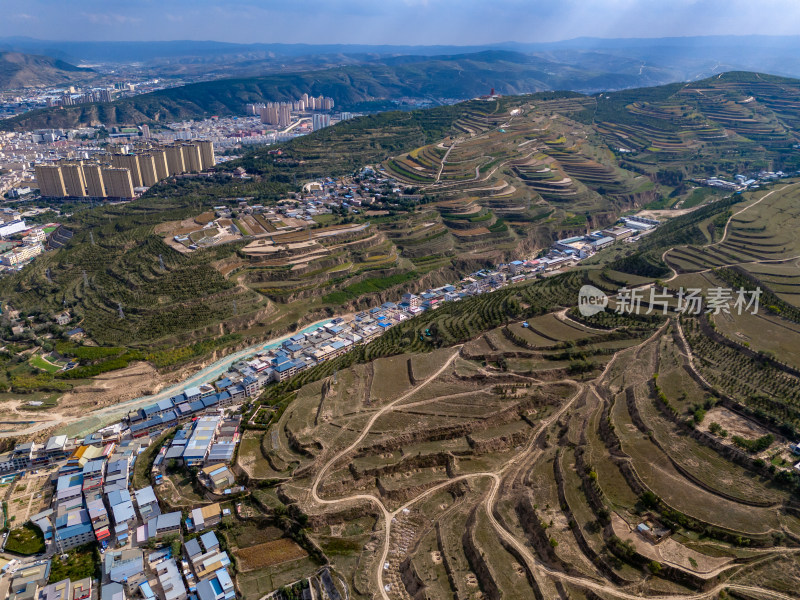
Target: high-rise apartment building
<point x="130" y="162"/>
<point x="284" y="115"/>
<point x="320" y="121"/>
<point x="93" y="175"/>
<point x="277" y="113"/>
<point x="50" y="180"/>
<point x="74" y="182"/>
<point x="175" y="163"/>
<point x="147" y="168"/>
<point x="269" y="115"/>
<point x="118" y="182"/>
<point x="254" y="109"/>
<point x="206" y="153"/>
<point x="192" y="159"/>
<point x="160" y="161"/>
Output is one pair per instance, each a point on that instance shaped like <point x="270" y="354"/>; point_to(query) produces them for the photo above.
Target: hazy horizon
<point x="393" y="22"/>
<point x="410" y="45"/>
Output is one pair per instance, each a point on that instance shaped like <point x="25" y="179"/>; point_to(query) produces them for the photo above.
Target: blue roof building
<point x="209" y="541"/>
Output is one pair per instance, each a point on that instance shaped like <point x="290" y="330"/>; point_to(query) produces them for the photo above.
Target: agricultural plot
<point x="390" y="379"/>
<point x="41" y="362"/>
<point x="269" y="553"/>
<point x="257" y="583"/>
<point x="251" y="459"/>
<point x="763" y="332"/>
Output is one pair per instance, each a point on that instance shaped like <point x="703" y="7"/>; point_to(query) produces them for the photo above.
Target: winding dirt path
<point x="528" y="455"/>
<point x="387" y="516"/>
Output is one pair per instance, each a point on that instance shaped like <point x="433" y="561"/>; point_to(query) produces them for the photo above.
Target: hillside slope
<point x="19" y="70"/>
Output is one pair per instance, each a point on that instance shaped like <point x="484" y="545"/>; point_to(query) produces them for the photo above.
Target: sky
<point x="406" y="22"/>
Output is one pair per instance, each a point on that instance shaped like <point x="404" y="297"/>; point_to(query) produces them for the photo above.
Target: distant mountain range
<point x="458" y="77"/>
<point x="358" y="74"/>
<point x="687" y="58"/>
<point x="19" y="70"/>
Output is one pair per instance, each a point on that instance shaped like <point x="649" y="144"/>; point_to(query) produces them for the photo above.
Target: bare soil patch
<point x="668" y="551"/>
<point x="269" y="553"/>
<point x="135" y="380"/>
<point x="733" y="423"/>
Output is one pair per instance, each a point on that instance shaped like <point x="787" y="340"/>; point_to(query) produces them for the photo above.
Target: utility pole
<point x="161" y="262"/>
<point x="121" y="314"/>
<point x="85" y="279"/>
<point x="47" y="275"/>
<point x="91" y="237"/>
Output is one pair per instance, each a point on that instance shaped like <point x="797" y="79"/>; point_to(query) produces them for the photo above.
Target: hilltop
<point x="18" y="70"/>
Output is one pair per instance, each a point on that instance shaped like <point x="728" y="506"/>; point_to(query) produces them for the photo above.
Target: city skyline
<point x="406" y="22"/>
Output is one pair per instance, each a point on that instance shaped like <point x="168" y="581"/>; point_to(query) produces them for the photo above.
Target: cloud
<point x="111" y="19"/>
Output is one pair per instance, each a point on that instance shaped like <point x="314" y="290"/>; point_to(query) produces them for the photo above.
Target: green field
<point x="25" y="540"/>
<point x="40" y="363"/>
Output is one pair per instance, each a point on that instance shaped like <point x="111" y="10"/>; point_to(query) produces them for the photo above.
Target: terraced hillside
<point x="570" y="457"/>
<point x="761" y="232"/>
<point x="695" y="126"/>
<point x="490" y="180"/>
<point x="477" y="214"/>
<point x="519" y="172"/>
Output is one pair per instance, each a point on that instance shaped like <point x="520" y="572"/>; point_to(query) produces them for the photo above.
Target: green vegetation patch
<point x="40" y="363"/>
<point x="81" y="562"/>
<point x="368" y="286"/>
<point x="26" y="540"/>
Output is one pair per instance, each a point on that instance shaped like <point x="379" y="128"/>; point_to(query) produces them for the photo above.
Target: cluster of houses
<point x="191" y="403"/>
<point x="201" y="572"/>
<point x="207" y="443"/>
<point x="293" y="209"/>
<point x="567" y="251"/>
<point x="372" y="185"/>
<point x="30" y="582"/>
<point x="28" y="241"/>
<point x="741" y="183"/>
<point x="94" y="502"/>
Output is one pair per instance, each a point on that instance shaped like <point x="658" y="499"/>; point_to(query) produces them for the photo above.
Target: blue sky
<point x="463" y="22"/>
